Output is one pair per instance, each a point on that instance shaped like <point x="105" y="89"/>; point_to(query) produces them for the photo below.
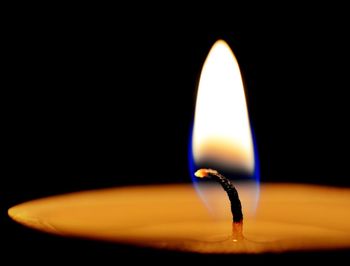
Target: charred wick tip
<point x="201" y="173"/>
<point x="236" y="207"/>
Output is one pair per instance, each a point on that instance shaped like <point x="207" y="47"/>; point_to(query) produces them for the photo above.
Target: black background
<point x="94" y="99"/>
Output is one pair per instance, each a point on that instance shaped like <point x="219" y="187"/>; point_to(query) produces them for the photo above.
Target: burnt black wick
<point x="236" y="207"/>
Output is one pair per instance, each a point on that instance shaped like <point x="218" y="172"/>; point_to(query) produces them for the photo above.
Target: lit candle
<point x="277" y="217"/>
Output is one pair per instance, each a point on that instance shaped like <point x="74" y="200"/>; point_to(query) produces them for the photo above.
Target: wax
<point x="289" y="217"/>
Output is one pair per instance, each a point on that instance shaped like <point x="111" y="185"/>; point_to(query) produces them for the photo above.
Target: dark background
<point x="93" y="100"/>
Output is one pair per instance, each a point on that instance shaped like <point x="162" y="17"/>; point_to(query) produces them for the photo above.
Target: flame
<point x="222" y="138"/>
<point x="221" y="131"/>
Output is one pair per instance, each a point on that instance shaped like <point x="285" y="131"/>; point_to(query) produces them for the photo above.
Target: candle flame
<point x="222" y="137"/>
<point x="221" y="133"/>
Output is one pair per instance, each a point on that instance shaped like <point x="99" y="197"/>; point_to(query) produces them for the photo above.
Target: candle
<point x="290" y="217"/>
<point x="277" y="217"/>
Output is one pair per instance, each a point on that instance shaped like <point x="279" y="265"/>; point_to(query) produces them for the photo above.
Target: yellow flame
<point x="221" y="132"/>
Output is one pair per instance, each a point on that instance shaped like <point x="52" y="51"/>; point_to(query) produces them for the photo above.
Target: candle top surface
<point x="290" y="217"/>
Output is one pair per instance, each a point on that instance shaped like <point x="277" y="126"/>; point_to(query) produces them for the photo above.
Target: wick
<point x="236" y="207"/>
